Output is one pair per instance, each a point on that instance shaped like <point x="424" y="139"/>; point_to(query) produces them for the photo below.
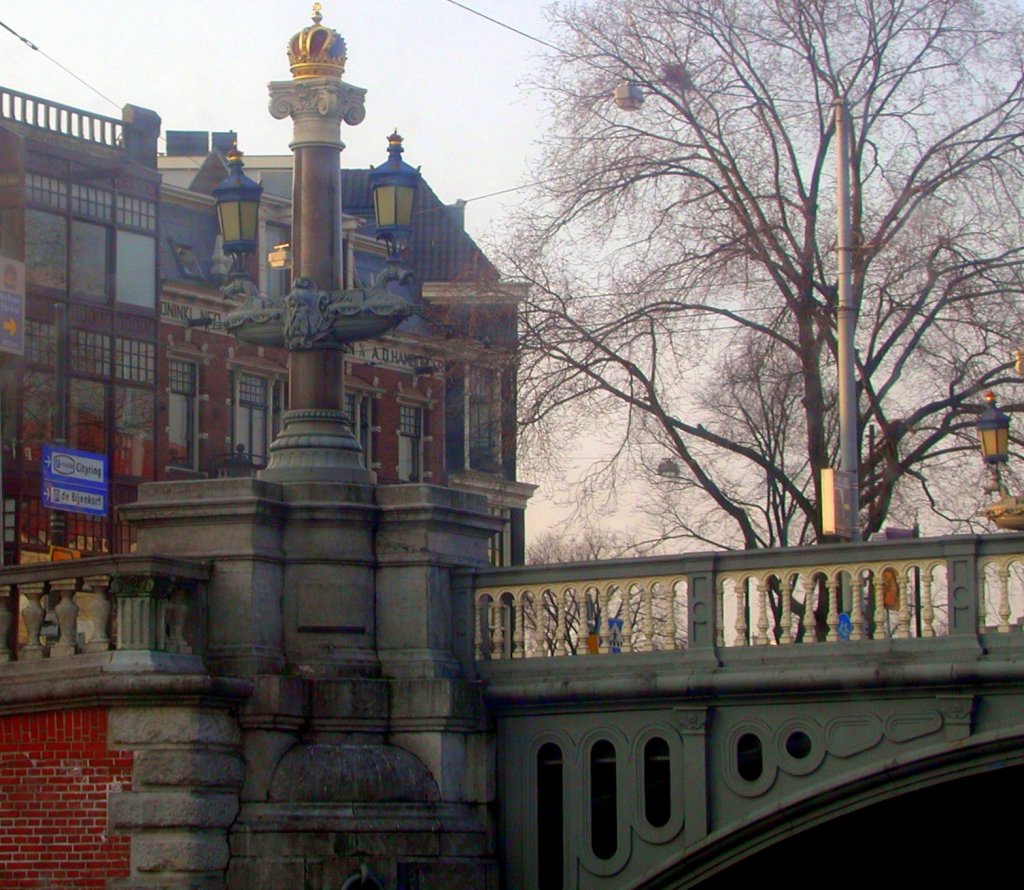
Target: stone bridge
<point x="666" y="721"/>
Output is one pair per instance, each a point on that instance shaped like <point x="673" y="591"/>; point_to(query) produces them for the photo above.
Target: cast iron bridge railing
<point x="831" y="594"/>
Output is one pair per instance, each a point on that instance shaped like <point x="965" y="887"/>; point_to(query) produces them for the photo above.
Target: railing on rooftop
<point x="60" y="609"/>
<point x="828" y="594"/>
<point x="62" y="119"/>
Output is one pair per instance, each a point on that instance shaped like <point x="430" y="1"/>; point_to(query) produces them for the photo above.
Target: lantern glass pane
<point x="404" y="210"/>
<point x="248" y="211"/>
<point x="384" y="199"/>
<point x="230" y="223"/>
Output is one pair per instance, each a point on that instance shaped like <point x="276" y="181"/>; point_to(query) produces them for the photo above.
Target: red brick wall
<point x="55" y="776"/>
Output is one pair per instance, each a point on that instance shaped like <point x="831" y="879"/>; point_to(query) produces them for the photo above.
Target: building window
<point x="181" y="414"/>
<point x="359" y="412"/>
<point x="93" y="202"/>
<point x="136" y="212"/>
<point x="40" y="343"/>
<point x="87" y="417"/>
<point x="256" y="416"/>
<point x="410" y="443"/>
<point x="38" y="390"/>
<point x="136" y="269"/>
<point x="46" y="190"/>
<point x="133" y="431"/>
<point x="484" y="420"/>
<point x="90" y="353"/>
<point x="89" y="261"/>
<point x="46" y="250"/>
<point x="135" y="361"/>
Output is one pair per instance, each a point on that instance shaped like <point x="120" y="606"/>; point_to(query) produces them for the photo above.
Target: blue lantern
<point x="394" y="192"/>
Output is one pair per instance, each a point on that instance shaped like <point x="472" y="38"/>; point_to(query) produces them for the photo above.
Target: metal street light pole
<point x="846" y="323"/>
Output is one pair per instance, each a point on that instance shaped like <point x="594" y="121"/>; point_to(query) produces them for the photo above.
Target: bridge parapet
<point x="920" y="588"/>
<point x="58" y="609"/>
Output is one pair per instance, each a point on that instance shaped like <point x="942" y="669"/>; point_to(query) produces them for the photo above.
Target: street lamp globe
<point x="994" y="432"/>
<point x="394" y="192"/>
<point x="238" y="204"/>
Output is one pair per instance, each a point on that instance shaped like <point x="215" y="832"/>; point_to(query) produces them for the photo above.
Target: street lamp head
<point x="394" y="192"/>
<point x="994" y="432"/>
<point x="238" y="203"/>
<point x="628" y="97"/>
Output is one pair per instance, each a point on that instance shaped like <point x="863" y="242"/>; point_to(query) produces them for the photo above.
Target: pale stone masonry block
<point x="172" y="809"/>
<point x="209" y="769"/>
<point x="131" y="727"/>
<point x="179" y="851"/>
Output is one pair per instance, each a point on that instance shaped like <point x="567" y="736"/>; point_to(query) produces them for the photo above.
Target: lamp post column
<point x="316" y="435"/>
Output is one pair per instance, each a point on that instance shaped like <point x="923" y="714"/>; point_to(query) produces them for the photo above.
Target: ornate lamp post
<point x="994" y="436"/>
<point x="318" y="317"/>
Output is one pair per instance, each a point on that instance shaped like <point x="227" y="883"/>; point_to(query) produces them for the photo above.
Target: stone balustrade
<point x="60" y="609"/>
<point x="921" y="588"/>
<point x="61" y="119"/>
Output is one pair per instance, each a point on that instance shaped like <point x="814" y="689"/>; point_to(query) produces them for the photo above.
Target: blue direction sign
<point x="12" y="306"/>
<point x="75" y="481"/>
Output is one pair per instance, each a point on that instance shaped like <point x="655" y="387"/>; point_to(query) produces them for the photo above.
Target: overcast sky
<point x="449" y="80"/>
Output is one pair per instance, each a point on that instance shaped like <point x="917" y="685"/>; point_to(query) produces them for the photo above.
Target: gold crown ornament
<point x="317" y="51"/>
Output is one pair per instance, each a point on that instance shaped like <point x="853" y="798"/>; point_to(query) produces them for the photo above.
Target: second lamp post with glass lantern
<point x="994" y="435"/>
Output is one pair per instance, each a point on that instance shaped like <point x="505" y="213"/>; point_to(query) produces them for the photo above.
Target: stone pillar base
<point x="316" y="445"/>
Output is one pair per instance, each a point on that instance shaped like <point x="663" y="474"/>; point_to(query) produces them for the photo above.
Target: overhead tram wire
<point x="63" y="68"/>
<point x="514" y="30"/>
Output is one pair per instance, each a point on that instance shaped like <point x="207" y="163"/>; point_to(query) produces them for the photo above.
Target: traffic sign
<point x="75" y="481"/>
<point x="12" y="306"/>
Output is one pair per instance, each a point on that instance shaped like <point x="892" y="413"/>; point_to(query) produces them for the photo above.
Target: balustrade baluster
<point x="67" y="618"/>
<point x="720" y="606"/>
<point x="648" y="600"/>
<point x="741" y="615"/>
<point x="810" y="619"/>
<point x="478" y="637"/>
<point x="6" y="618"/>
<point x="787" y="585"/>
<point x="671" y="591"/>
<point x="627" y="625"/>
<point x="880" y="617"/>
<point x="602" y="637"/>
<point x="561" y="637"/>
<point x="762" y="612"/>
<point x="832" y="619"/>
<point x="519" y="626"/>
<point x="1004" y="599"/>
<point x="32" y="615"/>
<point x="927" y="606"/>
<point x="903" y="614"/>
<point x="982" y="605"/>
<point x="177" y="614"/>
<point x="857" y="607"/>
<point x="96" y="604"/>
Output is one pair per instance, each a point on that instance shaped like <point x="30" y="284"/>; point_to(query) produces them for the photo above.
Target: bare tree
<point x="683" y="262"/>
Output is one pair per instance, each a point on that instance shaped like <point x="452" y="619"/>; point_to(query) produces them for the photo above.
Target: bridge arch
<point x="873" y="824"/>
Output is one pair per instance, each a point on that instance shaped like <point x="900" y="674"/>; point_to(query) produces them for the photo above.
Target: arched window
<point x="550" y="829"/>
<point x="657" y="783"/>
<point x="749" y="757"/>
<point x="603" y="804"/>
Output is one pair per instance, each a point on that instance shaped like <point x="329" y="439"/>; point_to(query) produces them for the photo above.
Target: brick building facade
<point x="121" y="256"/>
